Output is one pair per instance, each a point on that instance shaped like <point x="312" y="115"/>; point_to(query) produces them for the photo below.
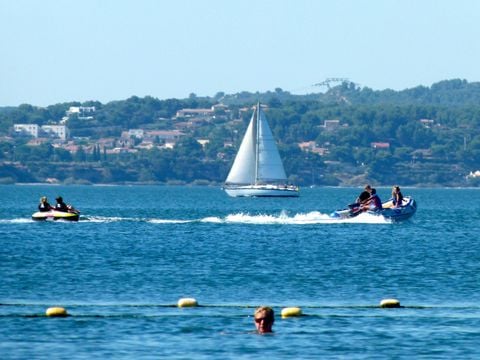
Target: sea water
<point x="137" y="250"/>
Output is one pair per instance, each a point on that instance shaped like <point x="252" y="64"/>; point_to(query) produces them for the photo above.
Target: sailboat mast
<point x="257" y="152"/>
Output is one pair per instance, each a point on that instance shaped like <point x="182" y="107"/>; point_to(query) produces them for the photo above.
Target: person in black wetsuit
<point x="362" y="198"/>
<point x="60" y="205"/>
<point x="364" y="195"/>
<point x="373" y="203"/>
<point x="44" y="205"/>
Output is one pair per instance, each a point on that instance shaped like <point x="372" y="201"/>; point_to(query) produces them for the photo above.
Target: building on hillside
<point x="108" y="142"/>
<point x="83" y="112"/>
<point x="203" y="142"/>
<point x="311" y="146"/>
<point x="183" y="125"/>
<point x="148" y="137"/>
<point x="168" y="145"/>
<point x="26" y="129"/>
<point x="217" y="111"/>
<point x="33" y="130"/>
<point x="248" y="110"/>
<point x="427" y="122"/>
<point x="220" y="107"/>
<point x="70" y="147"/>
<point x="306" y="145"/>
<point x="330" y="125"/>
<point x="119" y="150"/>
<point x="165" y="135"/>
<point x="145" y="145"/>
<point x="425" y="154"/>
<point x="125" y="142"/>
<point x="136" y="133"/>
<point x="186" y="113"/>
<point x="380" y="145"/>
<point x="245" y="110"/>
<point x="60" y="131"/>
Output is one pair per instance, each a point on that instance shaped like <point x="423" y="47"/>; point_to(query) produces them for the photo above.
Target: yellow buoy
<point x="56" y="311"/>
<point x="187" y="302"/>
<point x="291" y="311"/>
<point x="389" y="303"/>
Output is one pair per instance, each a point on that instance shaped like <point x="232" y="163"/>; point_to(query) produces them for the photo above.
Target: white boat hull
<point x="262" y="191"/>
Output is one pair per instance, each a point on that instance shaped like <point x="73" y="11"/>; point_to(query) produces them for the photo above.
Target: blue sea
<point x="137" y="250"/>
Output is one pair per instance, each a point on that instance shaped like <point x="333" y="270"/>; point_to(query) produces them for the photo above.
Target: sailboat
<point x="258" y="169"/>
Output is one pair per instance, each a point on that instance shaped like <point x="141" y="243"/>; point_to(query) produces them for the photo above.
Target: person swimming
<point x="264" y="319"/>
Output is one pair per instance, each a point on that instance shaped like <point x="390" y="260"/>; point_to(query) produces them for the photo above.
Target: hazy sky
<point x="55" y="51"/>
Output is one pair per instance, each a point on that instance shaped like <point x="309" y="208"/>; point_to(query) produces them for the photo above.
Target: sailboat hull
<point x="262" y="191"/>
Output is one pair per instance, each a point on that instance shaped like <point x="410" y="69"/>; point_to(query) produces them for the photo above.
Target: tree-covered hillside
<point x="418" y="136"/>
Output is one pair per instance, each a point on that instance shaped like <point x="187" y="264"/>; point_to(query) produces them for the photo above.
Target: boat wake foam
<point x="314" y="217"/>
<point x="169" y="221"/>
<point x="310" y="218"/>
<point x="16" y="221"/>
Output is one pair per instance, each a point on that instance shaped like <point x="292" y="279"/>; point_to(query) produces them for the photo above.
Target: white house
<point x="80" y="109"/>
<point x="195" y="112"/>
<point x="83" y="112"/>
<point x="166" y="135"/>
<point x="60" y="131"/>
<point x="330" y="125"/>
<point x="137" y="133"/>
<point x="27" y="129"/>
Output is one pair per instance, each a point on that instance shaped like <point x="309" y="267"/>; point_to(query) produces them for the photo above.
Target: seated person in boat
<point x="264" y="319"/>
<point x="44" y="205"/>
<point x="362" y="198"/>
<point x="60" y="205"/>
<point x="373" y="203"/>
<point x="397" y="196"/>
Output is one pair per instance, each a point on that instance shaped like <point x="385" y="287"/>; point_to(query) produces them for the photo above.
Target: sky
<point x="55" y="51"/>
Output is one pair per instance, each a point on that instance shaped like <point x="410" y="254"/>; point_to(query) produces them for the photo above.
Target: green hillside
<point x="426" y="136"/>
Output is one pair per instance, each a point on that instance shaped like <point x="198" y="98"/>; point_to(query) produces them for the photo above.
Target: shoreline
<point x="429" y="186"/>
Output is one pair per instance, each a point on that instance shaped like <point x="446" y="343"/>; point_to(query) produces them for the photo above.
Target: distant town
<point x="133" y="140"/>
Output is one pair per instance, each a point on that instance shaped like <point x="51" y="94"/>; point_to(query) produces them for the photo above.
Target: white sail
<point x="243" y="168"/>
<point x="258" y="169"/>
<point x="270" y="167"/>
<point x="258" y="160"/>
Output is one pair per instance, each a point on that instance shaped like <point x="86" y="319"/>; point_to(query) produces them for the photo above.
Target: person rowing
<point x="61" y="206"/>
<point x="373" y="203"/>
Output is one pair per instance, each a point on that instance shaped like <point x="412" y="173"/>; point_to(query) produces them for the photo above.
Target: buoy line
<point x="238" y="306"/>
<point x="190" y="302"/>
